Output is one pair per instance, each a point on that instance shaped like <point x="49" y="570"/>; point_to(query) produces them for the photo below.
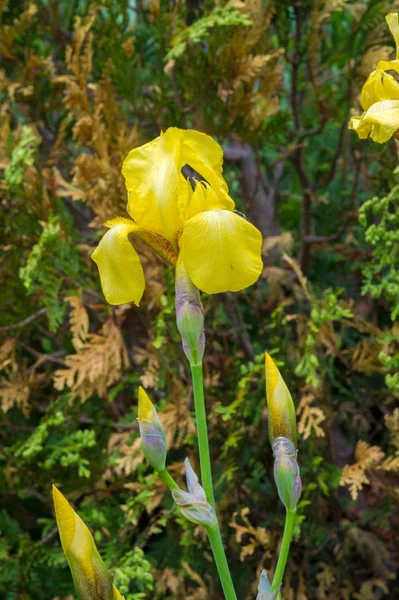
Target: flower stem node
<point x="286" y="472"/>
<point x="153" y="439"/>
<point x="189" y="316"/>
<point x="90" y="576"/>
<point x="282" y="418"/>
<point x="193" y="504"/>
<point x="264" y="589"/>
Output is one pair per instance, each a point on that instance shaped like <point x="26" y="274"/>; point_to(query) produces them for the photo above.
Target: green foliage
<point x="200" y="31"/>
<point x="133" y="567"/>
<point x="274" y="84"/>
<point x="40" y="275"/>
<point x="22" y="156"/>
<point x="381" y="272"/>
<point x="327" y="309"/>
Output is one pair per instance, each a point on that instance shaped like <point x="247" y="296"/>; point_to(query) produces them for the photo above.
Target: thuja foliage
<point x="83" y="83"/>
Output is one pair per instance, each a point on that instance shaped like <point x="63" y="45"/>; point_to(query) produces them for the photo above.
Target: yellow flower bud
<point x="90" y="576"/>
<point x="153" y="439"/>
<point x="282" y="419"/>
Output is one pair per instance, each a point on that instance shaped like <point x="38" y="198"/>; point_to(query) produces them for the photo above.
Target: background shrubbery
<point x="81" y="83"/>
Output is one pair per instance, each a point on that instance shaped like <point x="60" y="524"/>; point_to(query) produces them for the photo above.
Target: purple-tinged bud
<point x="193" y="504"/>
<point x="264" y="589"/>
<point x="286" y="472"/>
<point x="189" y="316"/>
<point x="153" y="439"/>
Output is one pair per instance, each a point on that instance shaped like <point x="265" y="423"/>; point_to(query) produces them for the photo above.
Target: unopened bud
<point x="264" y="589"/>
<point x="153" y="439"/>
<point x="286" y="472"/>
<point x="193" y="504"/>
<point x="189" y="316"/>
<point x="90" y="576"/>
<point x="282" y="418"/>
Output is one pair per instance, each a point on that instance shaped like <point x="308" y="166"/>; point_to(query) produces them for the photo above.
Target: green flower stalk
<point x="283" y="437"/>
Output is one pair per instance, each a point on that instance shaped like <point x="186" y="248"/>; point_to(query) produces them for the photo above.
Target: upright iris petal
<point x="152" y="174"/>
<point x="221" y="251"/>
<point x="379" y="86"/>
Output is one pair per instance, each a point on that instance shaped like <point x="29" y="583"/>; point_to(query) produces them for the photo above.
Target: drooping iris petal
<point x="121" y="273"/>
<point x="380" y="121"/>
<point x="221" y="251"/>
<point x="152" y="175"/>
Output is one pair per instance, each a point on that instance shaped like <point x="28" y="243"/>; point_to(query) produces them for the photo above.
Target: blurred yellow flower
<point x="90" y="576"/>
<point x="380" y="97"/>
<point x="220" y="250"/>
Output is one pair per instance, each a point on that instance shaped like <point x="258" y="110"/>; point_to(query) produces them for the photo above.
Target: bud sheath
<point x="189" y="316"/>
<point x="153" y="439"/>
<point x="286" y="472"/>
<point x="193" y="504"/>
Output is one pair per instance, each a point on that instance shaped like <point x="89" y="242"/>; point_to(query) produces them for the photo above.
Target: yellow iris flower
<point x="380" y="97"/>
<point x="90" y="576"/>
<point x="220" y="250"/>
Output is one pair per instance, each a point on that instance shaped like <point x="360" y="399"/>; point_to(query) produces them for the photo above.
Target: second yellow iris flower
<point x="380" y="97"/>
<point x="221" y="251"/>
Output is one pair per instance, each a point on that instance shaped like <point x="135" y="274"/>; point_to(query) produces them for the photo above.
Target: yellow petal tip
<point x="65" y="517"/>
<point x="146" y="407"/>
<point x="272" y="374"/>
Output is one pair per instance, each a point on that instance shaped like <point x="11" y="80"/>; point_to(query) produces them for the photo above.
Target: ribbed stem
<point x="202" y="432"/>
<point x="214" y="535"/>
<point x="215" y="540"/>
<point x="285" y="547"/>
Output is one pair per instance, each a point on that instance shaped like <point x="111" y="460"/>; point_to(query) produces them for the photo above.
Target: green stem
<point x="215" y="540"/>
<point x="285" y="547"/>
<point x="202" y="431"/>
<point x="168" y="479"/>
<point x="214" y="535"/>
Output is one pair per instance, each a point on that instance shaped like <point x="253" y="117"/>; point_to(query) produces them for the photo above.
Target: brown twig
<point x="26" y="321"/>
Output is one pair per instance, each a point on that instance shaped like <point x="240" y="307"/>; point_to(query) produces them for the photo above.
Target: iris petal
<point x="380" y="121"/>
<point x="221" y="251"/>
<point x="152" y="175"/>
<point x="379" y="86"/>
<point x="205" y="155"/>
<point x="204" y="198"/>
<point x="121" y="273"/>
